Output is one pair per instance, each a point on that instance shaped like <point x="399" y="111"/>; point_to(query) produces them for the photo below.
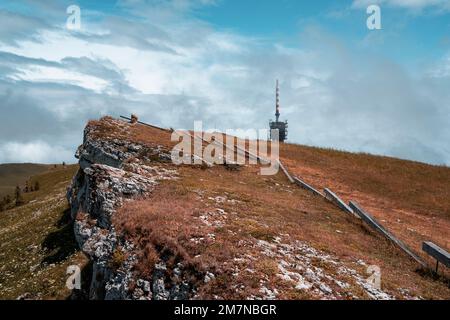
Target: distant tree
<point x="27" y="188"/>
<point x="19" y="198"/>
<point x="36" y="186"/>
<point x="5" y="202"/>
<point x="64" y="163"/>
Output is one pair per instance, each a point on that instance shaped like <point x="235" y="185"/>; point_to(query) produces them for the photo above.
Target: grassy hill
<point x="13" y="174"/>
<point x="409" y="198"/>
<point x="249" y="228"/>
<point x="255" y="233"/>
<point x="36" y="239"/>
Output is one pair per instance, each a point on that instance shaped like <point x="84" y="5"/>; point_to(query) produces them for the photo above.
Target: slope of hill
<point x="36" y="240"/>
<point x="411" y="198"/>
<point x="14" y="174"/>
<point x="155" y="230"/>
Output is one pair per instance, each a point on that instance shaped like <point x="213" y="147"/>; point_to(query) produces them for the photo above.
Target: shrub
<point x="118" y="258"/>
<point x="19" y="198"/>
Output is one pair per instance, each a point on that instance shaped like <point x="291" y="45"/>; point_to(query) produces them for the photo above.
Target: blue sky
<point x="408" y="35"/>
<point x="172" y="62"/>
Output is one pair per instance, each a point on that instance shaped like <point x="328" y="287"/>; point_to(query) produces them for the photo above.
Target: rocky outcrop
<point x="114" y="152"/>
<point x="111" y="170"/>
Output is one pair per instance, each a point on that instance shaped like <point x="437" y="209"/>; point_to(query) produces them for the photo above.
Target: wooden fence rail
<point x="372" y="222"/>
<point x="306" y="186"/>
<point x="438" y="253"/>
<point x="286" y="172"/>
<point x="146" y="124"/>
<point x="331" y="196"/>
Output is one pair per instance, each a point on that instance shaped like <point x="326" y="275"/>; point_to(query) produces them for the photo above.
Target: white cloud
<point x="50" y="74"/>
<point x="441" y="69"/>
<point x="407" y="4"/>
<point x="34" y="152"/>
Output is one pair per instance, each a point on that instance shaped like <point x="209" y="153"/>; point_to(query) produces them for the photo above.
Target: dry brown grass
<point x="138" y="133"/>
<point x="159" y="226"/>
<point x="413" y="185"/>
<point x="264" y="210"/>
<point x="410" y="198"/>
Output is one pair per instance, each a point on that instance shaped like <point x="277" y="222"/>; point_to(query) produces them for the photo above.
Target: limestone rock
<point x="97" y="190"/>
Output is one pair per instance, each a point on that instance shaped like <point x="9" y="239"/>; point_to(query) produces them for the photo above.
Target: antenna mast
<point x="277" y="102"/>
<point x="281" y="127"/>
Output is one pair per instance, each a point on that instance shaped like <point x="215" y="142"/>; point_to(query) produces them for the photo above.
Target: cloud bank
<point x="171" y="69"/>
